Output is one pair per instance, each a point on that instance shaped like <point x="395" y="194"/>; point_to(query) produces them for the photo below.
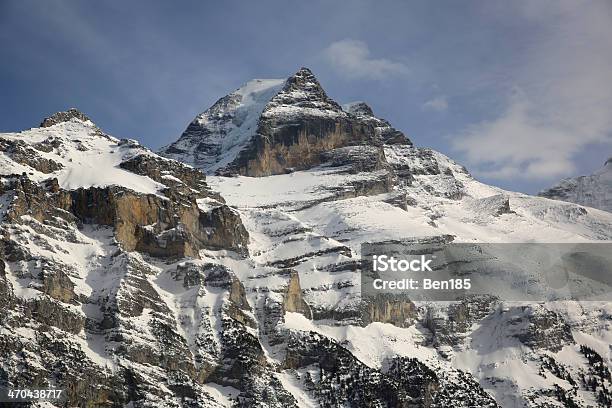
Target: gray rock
<point x="386" y="132"/>
<point x="65" y="116"/>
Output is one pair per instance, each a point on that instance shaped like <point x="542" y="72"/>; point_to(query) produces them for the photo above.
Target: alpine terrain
<point x="594" y="190"/>
<point x="225" y="270"/>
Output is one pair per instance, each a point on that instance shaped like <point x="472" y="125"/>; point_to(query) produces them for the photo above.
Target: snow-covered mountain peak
<point x="217" y="136"/>
<point x="276" y="126"/>
<point x="72" y="149"/>
<point x="302" y="95"/>
<point x="64" y="116"/>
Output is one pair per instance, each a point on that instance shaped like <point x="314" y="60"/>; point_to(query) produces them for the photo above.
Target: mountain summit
<point x="594" y="190"/>
<point x="275" y="126"/>
<point x="65" y="116"/>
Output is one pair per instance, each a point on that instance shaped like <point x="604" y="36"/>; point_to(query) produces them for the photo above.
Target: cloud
<point x="561" y="100"/>
<point x="438" y="104"/>
<point x="352" y="59"/>
<point x="517" y="145"/>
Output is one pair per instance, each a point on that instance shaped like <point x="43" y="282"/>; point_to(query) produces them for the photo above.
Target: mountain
<point x="131" y="279"/>
<point x="273" y="127"/>
<point x="592" y="191"/>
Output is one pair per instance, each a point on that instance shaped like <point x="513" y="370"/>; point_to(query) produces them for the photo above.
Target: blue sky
<point x="520" y="92"/>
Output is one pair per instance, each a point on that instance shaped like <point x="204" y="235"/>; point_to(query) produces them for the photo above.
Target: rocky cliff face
<point x="594" y="190"/>
<point x="72" y="254"/>
<point x="168" y="224"/>
<point x="130" y="279"/>
<point x="384" y="130"/>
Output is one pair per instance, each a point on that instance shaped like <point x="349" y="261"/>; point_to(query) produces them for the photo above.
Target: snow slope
<point x="292" y="216"/>
<point x="224" y="130"/>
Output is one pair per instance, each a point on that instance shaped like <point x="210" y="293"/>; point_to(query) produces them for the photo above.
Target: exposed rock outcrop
<point x="449" y="323"/>
<point x="494" y="205"/>
<point x="48" y="311"/>
<point x="385" y="308"/>
<point x="356" y="158"/>
<point x="542" y="328"/>
<point x="24" y="154"/>
<point x="343" y="380"/>
<point x="385" y="131"/>
<point x="57" y="284"/>
<point x="65" y="116"/>
<point x="149" y="223"/>
<point x="293" y="300"/>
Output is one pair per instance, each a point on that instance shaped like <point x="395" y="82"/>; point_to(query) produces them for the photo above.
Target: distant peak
<point x="358" y="108"/>
<point x="64" y="116"/>
<point x="608" y="162"/>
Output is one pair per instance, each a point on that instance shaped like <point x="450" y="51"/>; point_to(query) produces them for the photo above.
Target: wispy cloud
<point x="352" y="58"/>
<point x="438" y="104"/>
<point x="518" y="145"/>
<point x="562" y="97"/>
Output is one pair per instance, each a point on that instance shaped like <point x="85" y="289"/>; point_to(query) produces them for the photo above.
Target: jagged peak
<point x="359" y="108"/>
<point x="303" y="78"/>
<point x="303" y="93"/>
<point x="305" y="73"/>
<point x="364" y="112"/>
<point x="64" y="116"/>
